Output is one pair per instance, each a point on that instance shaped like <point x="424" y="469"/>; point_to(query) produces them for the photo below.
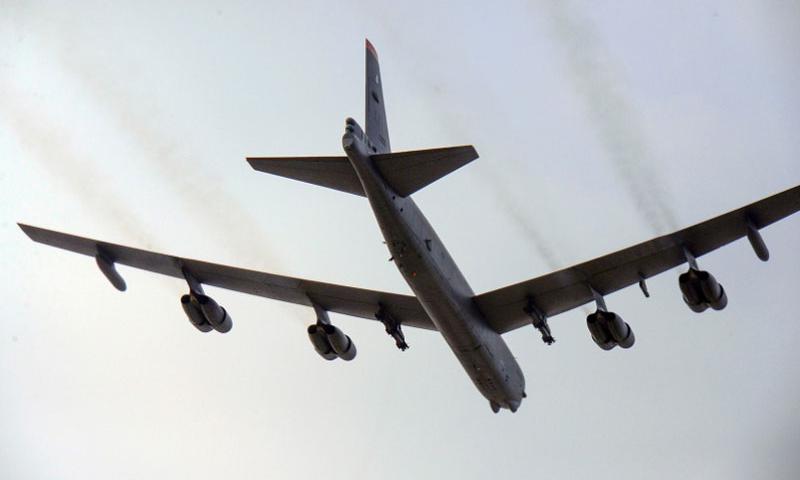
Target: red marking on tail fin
<point x="371" y="48"/>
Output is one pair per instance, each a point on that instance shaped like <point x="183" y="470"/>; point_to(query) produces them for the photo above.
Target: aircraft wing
<point x="569" y="288"/>
<point x="356" y="302"/>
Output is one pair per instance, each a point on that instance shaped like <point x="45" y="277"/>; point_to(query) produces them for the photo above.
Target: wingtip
<point x="371" y="48"/>
<point x="34" y="233"/>
<point x="25" y="228"/>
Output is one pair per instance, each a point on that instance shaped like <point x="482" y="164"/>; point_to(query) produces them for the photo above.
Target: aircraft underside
<point x="472" y="325"/>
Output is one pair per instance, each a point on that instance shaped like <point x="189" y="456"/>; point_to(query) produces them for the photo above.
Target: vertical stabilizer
<point x="376" y="128"/>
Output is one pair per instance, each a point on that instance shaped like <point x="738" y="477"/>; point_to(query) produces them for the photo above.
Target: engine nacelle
<point x="196" y="317"/>
<point x="320" y="342"/>
<point x="215" y="315"/>
<point x="609" y="330"/>
<point x="341" y="343"/>
<point x="600" y="335"/>
<point x="620" y="331"/>
<point x="701" y="290"/>
<point x="712" y="291"/>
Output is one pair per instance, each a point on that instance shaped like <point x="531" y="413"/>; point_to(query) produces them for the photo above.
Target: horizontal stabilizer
<point x="407" y="172"/>
<point x="331" y="172"/>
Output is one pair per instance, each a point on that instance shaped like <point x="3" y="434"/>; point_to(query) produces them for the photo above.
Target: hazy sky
<point x="599" y="124"/>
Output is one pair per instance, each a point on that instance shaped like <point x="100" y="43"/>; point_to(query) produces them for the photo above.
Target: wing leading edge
<point x="351" y="301"/>
<point x="570" y="288"/>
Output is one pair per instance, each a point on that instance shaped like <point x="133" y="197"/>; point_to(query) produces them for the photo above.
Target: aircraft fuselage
<point x="436" y="281"/>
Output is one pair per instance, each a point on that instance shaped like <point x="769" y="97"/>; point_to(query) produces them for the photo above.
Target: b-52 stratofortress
<point x="472" y="325"/>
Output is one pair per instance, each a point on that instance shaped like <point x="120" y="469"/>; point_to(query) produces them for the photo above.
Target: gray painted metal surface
<point x="443" y="300"/>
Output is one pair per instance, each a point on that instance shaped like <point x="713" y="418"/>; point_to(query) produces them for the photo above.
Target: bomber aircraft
<point x="472" y="325"/>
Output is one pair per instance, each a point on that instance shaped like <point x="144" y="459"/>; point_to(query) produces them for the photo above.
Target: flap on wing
<point x="410" y="171"/>
<point x="356" y="302"/>
<point x="566" y="289"/>
<point x="331" y="172"/>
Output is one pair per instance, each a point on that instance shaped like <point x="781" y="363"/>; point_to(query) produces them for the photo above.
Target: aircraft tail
<point x="406" y="172"/>
<point x="376" y="128"/>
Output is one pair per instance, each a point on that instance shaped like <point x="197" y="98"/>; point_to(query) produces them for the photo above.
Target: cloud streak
<point x="613" y="117"/>
<point x="521" y="218"/>
<point x="236" y="229"/>
<point x="46" y="144"/>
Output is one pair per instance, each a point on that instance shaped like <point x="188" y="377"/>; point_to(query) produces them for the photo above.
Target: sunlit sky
<point x="599" y="125"/>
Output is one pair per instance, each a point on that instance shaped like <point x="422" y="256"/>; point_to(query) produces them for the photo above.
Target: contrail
<point x="522" y="219"/>
<point x="611" y="113"/>
<point x="199" y="191"/>
<point x="519" y="214"/>
<point x="47" y="145"/>
<point x="234" y="227"/>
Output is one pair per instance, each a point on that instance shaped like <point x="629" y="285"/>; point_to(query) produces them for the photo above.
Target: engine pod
<point x="216" y="315"/>
<point x="599" y="331"/>
<point x="692" y="295"/>
<point x="195" y="316"/>
<point x="712" y="291"/>
<point x="721" y="302"/>
<point x="341" y="343"/>
<point x="320" y="342"/>
<point x="620" y="331"/>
